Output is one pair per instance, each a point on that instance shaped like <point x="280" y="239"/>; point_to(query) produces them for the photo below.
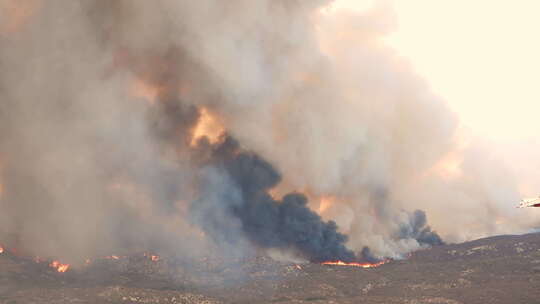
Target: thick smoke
<point x="417" y="229"/>
<point x="90" y="169"/>
<point x="286" y="224"/>
<point x="100" y="102"/>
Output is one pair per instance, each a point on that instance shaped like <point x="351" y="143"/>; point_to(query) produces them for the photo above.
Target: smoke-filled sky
<point x="482" y="58"/>
<point x="246" y="125"/>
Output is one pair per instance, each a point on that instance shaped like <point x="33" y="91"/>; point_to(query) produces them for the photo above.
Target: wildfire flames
<point x="326" y="202"/>
<point x="208" y="126"/>
<point x="153" y="258"/>
<point x="363" y="265"/>
<point x="59" y="266"/>
<point x="65" y="267"/>
<point x="62" y="267"/>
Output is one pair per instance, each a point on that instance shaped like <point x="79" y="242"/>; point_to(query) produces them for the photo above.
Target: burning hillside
<point x="502" y="269"/>
<point x="121" y="143"/>
<point x="224" y="130"/>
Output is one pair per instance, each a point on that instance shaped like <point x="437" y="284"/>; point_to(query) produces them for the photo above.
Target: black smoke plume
<point x="418" y="229"/>
<point x="88" y="167"/>
<point x="269" y="223"/>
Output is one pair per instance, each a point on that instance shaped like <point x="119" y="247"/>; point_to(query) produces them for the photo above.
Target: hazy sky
<point x="482" y="56"/>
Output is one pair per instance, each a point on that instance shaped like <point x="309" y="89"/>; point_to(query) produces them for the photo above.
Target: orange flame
<point x="207" y="126"/>
<point x="363" y="265"/>
<point x="152" y="257"/>
<point x="59" y="266"/>
<point x="326" y="202"/>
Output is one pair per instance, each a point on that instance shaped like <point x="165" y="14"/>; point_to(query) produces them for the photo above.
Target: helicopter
<point x="529" y="202"/>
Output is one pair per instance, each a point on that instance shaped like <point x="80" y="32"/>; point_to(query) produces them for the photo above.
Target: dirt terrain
<point x="502" y="269"/>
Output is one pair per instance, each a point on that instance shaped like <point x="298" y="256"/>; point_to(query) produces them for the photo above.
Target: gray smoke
<point x="90" y="170"/>
<point x="417" y="229"/>
<point x="287" y="224"/>
<point x="99" y="102"/>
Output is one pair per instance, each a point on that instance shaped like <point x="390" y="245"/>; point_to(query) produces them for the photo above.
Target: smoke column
<point x="100" y="105"/>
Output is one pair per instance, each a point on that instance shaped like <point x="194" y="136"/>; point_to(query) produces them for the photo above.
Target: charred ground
<point x="502" y="269"/>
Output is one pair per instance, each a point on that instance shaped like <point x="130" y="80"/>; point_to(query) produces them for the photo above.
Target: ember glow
<point x="64" y="267"/>
<point x="146" y="90"/>
<point x="325" y="203"/>
<point x="217" y="137"/>
<point x="363" y="265"/>
<point x="152" y="257"/>
<point x="59" y="266"/>
<point x="208" y="126"/>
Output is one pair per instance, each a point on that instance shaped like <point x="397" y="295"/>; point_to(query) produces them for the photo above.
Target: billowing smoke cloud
<point x="417" y="229"/>
<point x="100" y="103"/>
<point x="287" y="224"/>
<point x="89" y="168"/>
